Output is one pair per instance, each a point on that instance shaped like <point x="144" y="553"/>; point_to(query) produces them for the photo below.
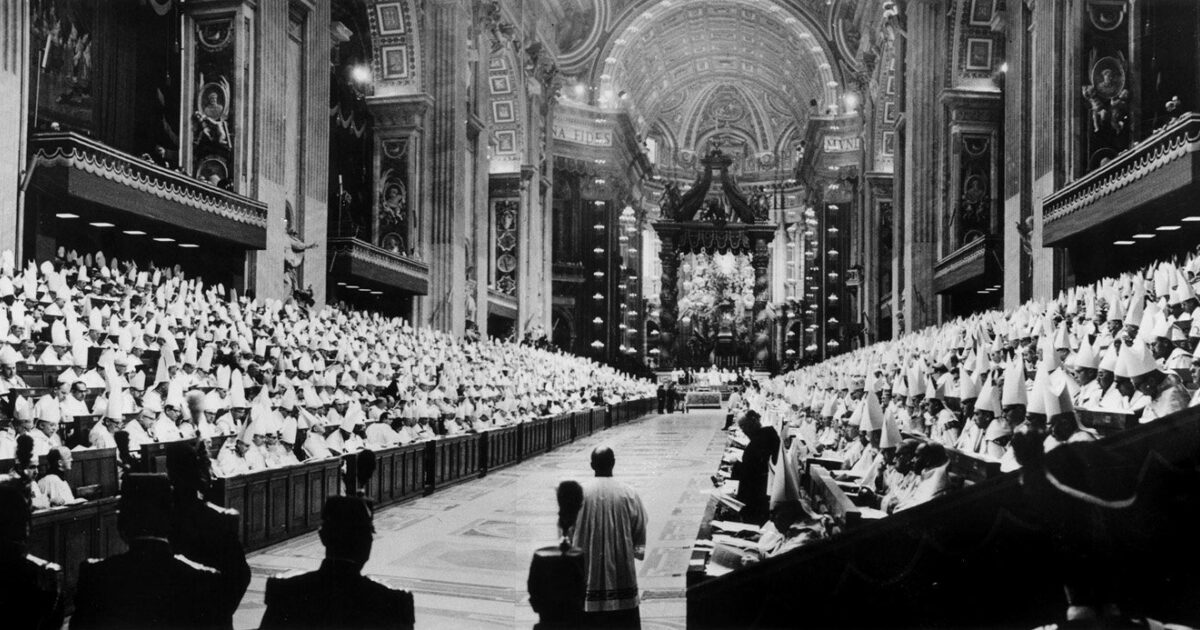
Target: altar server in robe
<point x="611" y="531"/>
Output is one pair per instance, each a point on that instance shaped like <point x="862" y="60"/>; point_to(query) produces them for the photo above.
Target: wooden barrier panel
<point x="94" y="473"/>
<point x="534" y="436"/>
<point x="502" y="447"/>
<point x="279" y="503"/>
<point x="69" y="535"/>
<point x="560" y="429"/>
<point x="455" y="459"/>
<point x="399" y="474"/>
<point x="581" y="424"/>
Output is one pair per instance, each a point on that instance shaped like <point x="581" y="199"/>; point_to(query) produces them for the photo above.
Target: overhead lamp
<point x="1191" y="219"/>
<point x="1144" y="235"/>
<point x="361" y="74"/>
<point x="622" y="326"/>
<point x="188" y="245"/>
<point x="164" y="239"/>
<point x="377" y="293"/>
<point x="633" y="277"/>
<point x="351" y="286"/>
<point x="598" y="250"/>
<point x="101" y="224"/>
<point x="1123" y="242"/>
<point x="133" y="232"/>
<point x="599" y="181"/>
<point x="598" y="273"/>
<point x="598" y="320"/>
<point x="655" y="351"/>
<point x="599" y="226"/>
<point x="598" y="202"/>
<point x="601" y="161"/>
<point x="1168" y="228"/>
<point x="633" y="250"/>
<point x="598" y="296"/>
<point x="72" y="215"/>
<point x="597" y="344"/>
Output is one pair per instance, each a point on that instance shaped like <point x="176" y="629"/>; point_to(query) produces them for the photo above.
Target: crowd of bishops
<point x="154" y="356"/>
<point x="995" y="386"/>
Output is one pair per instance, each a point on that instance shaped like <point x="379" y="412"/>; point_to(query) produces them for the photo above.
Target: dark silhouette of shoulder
<point x="332" y="597"/>
<point x="140" y="589"/>
<point x="30" y="593"/>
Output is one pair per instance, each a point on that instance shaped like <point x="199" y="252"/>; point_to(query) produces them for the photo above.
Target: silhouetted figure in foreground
<point x="201" y="531"/>
<point x="29" y="586"/>
<point x="558" y="575"/>
<point x="148" y="586"/>
<point x="338" y="595"/>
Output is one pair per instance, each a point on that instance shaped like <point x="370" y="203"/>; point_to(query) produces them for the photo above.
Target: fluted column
<point x="923" y="82"/>
<point x="14" y="73"/>
<point x="448" y="21"/>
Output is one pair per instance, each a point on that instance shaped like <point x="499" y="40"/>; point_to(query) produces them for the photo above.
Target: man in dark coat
<point x="148" y="586"/>
<point x="200" y="531"/>
<point x="338" y="595"/>
<point x="29" y="586"/>
<point x="751" y="472"/>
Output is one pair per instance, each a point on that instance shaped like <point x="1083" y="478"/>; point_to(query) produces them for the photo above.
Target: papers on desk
<point x="733" y="528"/>
<point x="725" y="495"/>
<point x="725" y="558"/>
<point x="871" y="513"/>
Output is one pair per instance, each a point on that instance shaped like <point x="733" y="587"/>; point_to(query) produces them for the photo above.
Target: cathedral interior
<point x="655" y="188"/>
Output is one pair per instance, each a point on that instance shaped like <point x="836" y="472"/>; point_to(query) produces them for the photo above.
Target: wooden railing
<point x="281" y="503"/>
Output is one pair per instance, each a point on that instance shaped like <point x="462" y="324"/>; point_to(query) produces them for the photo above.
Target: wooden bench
<point x="93" y="473"/>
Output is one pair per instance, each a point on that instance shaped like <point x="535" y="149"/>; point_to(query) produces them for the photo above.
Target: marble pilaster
<point x="448" y="21"/>
<point x="14" y="96"/>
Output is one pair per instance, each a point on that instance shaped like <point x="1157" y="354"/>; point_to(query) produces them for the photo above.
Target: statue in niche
<point x="1099" y="112"/>
<point x="671" y="199"/>
<point x="211" y="115"/>
<point x="1119" y="113"/>
<point x="293" y="256"/>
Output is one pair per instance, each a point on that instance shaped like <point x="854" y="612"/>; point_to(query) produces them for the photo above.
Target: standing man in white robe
<point x="611" y="530"/>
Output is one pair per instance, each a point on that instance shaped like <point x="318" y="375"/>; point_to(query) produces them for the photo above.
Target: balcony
<point x="127" y="188"/>
<point x="502" y="304"/>
<point x="365" y="262"/>
<point x="1155" y="180"/>
<point x="976" y="265"/>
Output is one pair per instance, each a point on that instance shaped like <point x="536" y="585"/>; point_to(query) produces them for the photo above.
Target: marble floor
<point x="464" y="551"/>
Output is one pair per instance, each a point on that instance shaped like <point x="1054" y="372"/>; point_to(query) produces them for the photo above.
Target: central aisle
<point x="464" y="551"/>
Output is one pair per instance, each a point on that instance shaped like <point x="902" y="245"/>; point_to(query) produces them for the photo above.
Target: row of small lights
<point x="358" y="288"/>
<point x="991" y="289"/>
<point x="1145" y="236"/>
<point x="106" y="224"/>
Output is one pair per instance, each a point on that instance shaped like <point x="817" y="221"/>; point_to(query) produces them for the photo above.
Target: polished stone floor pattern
<point x="464" y="551"/>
